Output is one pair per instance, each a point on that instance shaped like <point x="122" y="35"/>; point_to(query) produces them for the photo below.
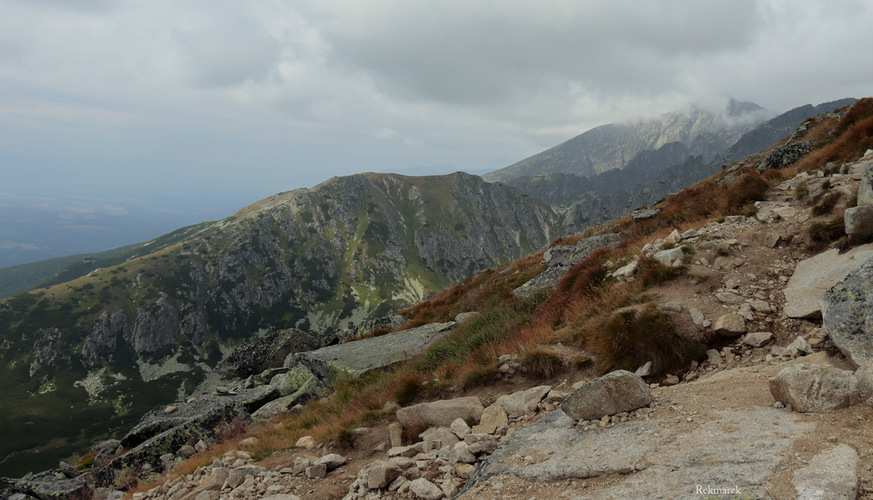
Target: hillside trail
<point x="717" y="421"/>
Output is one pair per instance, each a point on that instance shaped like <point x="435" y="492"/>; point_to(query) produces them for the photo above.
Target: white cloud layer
<point x="200" y="95"/>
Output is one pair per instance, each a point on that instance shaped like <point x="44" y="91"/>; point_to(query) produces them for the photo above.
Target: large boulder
<point x="847" y="311"/>
<point x="864" y="374"/>
<point x="814" y="388"/>
<point x="612" y="393"/>
<point x="865" y="188"/>
<point x="51" y="485"/>
<point x="815" y="275"/>
<point x="440" y="413"/>
<point x="785" y="156"/>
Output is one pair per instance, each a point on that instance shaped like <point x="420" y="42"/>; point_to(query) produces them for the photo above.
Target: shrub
<point x="541" y="364"/>
<point x="479" y="376"/>
<point x="801" y="190"/>
<point x="409" y="387"/>
<point x="581" y="361"/>
<point x="629" y="339"/>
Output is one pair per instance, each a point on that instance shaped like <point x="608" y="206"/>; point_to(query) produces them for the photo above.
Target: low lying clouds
<point x="273" y="94"/>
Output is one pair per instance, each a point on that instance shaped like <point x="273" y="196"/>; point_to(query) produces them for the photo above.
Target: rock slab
<point x="830" y="475"/>
<point x="612" y="393"/>
<point x="440" y="413"/>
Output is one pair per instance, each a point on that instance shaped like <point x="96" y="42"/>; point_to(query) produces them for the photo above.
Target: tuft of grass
<point x="822" y="234"/>
<point x="801" y="190"/>
<point x="541" y="364"/>
<point x="650" y="272"/>
<point x="582" y="361"/>
<point x="629" y="339"/>
<point x="478" y="376"/>
<point x="826" y="204"/>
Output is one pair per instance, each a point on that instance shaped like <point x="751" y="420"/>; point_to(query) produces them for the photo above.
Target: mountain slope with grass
<point x="711" y="270"/>
<point x="110" y="345"/>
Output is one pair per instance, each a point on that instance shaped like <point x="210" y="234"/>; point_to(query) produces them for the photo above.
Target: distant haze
<point x="202" y="106"/>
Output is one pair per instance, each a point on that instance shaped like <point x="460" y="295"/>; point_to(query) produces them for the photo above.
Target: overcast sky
<point x="235" y="100"/>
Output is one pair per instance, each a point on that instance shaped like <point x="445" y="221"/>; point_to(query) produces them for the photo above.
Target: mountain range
<point x="112" y="335"/>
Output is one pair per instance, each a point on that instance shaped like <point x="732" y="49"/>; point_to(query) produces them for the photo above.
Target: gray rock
<point x="379" y="474"/>
<point x="186" y="451"/>
<point x="757" y="339"/>
<point x="697" y="316"/>
<point x="865" y="188"/>
<point x="859" y="220"/>
<point x="493" y="418"/>
<point x="361" y="356"/>
<point x="523" y="402"/>
<point x="561" y="258"/>
<point x="730" y="325"/>
<point x="332" y="461"/>
<point x="772" y="239"/>
<point x="864" y="374"/>
<point x="612" y="393"/>
<point x="440" y="413"/>
<point x="814" y="388"/>
<point x="847" y="310"/>
<point x="798" y="347"/>
<point x="395" y="434"/>
<point x="425" y="490"/>
<point x="644" y="214"/>
<point x="670" y="307"/>
<point x="735" y="219"/>
<point x="645" y="370"/>
<point x="51" y="485"/>
<point x="814" y="276"/>
<point x="316" y="471"/>
<point x="668" y="257"/>
<point x="730" y="298"/>
<point x="829" y="475"/>
<point x="713" y="357"/>
<point x="460" y="428"/>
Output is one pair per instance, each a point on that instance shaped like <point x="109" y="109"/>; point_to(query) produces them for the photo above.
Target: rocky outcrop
<point x="100" y="344"/>
<point x="156" y="327"/>
<point x="51" y="485"/>
<point x="266" y="352"/>
<point x="847" y="311"/>
<point x="619" y="391"/>
<point x="561" y="258"/>
<point x="785" y="156"/>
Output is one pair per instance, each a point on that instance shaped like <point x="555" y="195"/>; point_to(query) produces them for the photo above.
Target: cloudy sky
<point x="221" y="102"/>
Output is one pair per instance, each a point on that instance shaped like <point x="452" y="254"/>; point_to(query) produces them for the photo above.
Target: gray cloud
<point x="272" y="95"/>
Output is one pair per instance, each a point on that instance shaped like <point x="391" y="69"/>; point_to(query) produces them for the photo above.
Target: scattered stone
<point x="730" y="325"/>
<point x="170" y="409"/>
<point x="730" y="298"/>
<point x="307" y="442"/>
<point x="186" y="451"/>
<point x="493" y="418"/>
<point x="523" y="402"/>
<point x="249" y="442"/>
<point x="814" y="388"/>
<point x="670" y="307"/>
<point x="697" y="316"/>
<point x="395" y="434"/>
<point x="612" y="393"/>
<point x="643" y="214"/>
<point x="425" y="490"/>
<point x="460" y="428"/>
<point x="667" y="257"/>
<point x="798" y="347"/>
<point x="671" y="380"/>
<point x="645" y="370"/>
<point x="331" y="461"/>
<point x="379" y="474"/>
<point x="831" y="474"/>
<point x="691" y="233"/>
<point x="316" y="471"/>
<point x="772" y="239"/>
<point x="864" y="374"/>
<point x="713" y="357"/>
<point x="735" y="219"/>
<point x="757" y="339"/>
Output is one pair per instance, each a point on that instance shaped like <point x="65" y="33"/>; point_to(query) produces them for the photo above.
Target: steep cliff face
<point x="321" y="260"/>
